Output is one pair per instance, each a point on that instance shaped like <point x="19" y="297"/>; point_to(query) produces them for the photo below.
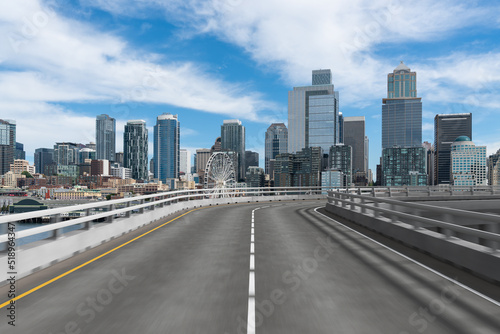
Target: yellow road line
<point x="90" y="261"/>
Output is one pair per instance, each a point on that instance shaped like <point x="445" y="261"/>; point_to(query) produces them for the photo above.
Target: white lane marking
<point x="252" y="230"/>
<point x="251" y="288"/>
<point x="252" y="248"/>
<point x="252" y="262"/>
<point x="252" y="238"/>
<point x="251" y="316"/>
<point x="477" y="293"/>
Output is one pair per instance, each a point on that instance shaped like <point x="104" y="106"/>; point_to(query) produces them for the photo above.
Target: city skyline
<point x="128" y="50"/>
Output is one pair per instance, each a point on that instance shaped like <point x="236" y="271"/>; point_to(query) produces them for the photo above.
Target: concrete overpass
<point x="283" y="264"/>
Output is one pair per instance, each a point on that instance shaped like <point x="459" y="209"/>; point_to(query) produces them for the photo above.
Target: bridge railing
<point x="368" y="201"/>
<point x="425" y="191"/>
<point x="108" y="211"/>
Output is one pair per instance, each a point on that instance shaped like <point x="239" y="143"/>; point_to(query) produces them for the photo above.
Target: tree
<point x="27" y="174"/>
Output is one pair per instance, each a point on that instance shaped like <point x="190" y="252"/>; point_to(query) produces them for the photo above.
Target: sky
<point x="64" y="62"/>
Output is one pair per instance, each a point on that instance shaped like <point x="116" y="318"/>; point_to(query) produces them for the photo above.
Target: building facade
<point x="255" y="176"/>
<point x="184" y="161"/>
<point x="354" y="136"/>
<point x="66" y="153"/>
<point x="404" y="166"/>
<point x="447" y="128"/>
<point x="233" y="139"/>
<point x="20" y="153"/>
<point x="276" y="142"/>
<point x="166" y="147"/>
<point x="43" y="157"/>
<point x="341" y="160"/>
<point x="301" y="169"/>
<point x="135" y="146"/>
<point x="7" y="144"/>
<point x="468" y="163"/>
<point x="494" y="169"/>
<point x="251" y="159"/>
<point x="313" y="113"/>
<point x="105" y="130"/>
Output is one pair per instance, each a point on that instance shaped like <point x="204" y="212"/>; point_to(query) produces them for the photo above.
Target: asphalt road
<point x="312" y="275"/>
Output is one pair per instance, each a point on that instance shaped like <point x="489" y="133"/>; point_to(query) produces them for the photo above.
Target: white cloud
<point x="428" y="127"/>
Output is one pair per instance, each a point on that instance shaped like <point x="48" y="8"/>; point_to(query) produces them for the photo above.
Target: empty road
<point x="298" y="270"/>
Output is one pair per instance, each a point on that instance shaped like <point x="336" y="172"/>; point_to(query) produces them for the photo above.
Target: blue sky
<point x="64" y="62"/>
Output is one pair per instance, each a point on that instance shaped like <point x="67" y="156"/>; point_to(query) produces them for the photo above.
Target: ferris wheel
<point x="220" y="174"/>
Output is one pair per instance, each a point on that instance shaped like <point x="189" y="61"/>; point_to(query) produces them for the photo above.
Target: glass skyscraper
<point x="276" y="142"/>
<point x="43" y="157"/>
<point x="233" y="139"/>
<point x="401" y="110"/>
<point x="135" y="149"/>
<point x="105" y="129"/>
<point x="7" y="144"/>
<point x="166" y="148"/>
<point x="447" y="128"/>
<point x="313" y="113"/>
<point x="354" y="136"/>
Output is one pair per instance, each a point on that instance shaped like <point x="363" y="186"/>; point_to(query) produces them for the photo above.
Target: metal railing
<point x="367" y="201"/>
<point x="124" y="208"/>
<point x="426" y="191"/>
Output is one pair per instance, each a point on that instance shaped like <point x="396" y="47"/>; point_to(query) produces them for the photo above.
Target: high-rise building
<point x="276" y="142"/>
<point x="166" y="147"/>
<point x="20" y="153"/>
<point x="341" y="127"/>
<point x="313" y="114"/>
<point x="43" y="157"/>
<point x="447" y="128"/>
<point x="255" y="176"/>
<point x="7" y="144"/>
<point x="105" y="129"/>
<point x="119" y="158"/>
<point x="430" y="161"/>
<point x="468" y="163"/>
<point x="341" y="160"/>
<point x="251" y="159"/>
<point x="184" y="161"/>
<point x="86" y="154"/>
<point x="494" y="169"/>
<point x="233" y="139"/>
<point x="202" y="156"/>
<point x="404" y="166"/>
<point x="135" y="147"/>
<point x="402" y="131"/>
<point x="354" y="136"/>
<point x="402" y="110"/>
<point x="66" y="153"/>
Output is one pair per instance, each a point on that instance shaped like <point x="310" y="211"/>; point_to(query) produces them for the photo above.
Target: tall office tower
<point x="402" y="110"/>
<point x="494" y="169"/>
<point x="7" y="144"/>
<point x="468" y="163"/>
<point x="135" y="149"/>
<point x="251" y="159"/>
<point x="341" y="160"/>
<point x="66" y="153"/>
<point x="43" y="157"/>
<point x="313" y="114"/>
<point x="341" y="128"/>
<point x="430" y="161"/>
<point x="105" y="129"/>
<point x="354" y="136"/>
<point x="217" y="146"/>
<point x="184" y="161"/>
<point x="233" y="139"/>
<point x="20" y="153"/>
<point x="166" y="147"/>
<point x="447" y="128"/>
<point x="402" y="153"/>
<point x="193" y="167"/>
<point x="119" y="158"/>
<point x="276" y="142"/>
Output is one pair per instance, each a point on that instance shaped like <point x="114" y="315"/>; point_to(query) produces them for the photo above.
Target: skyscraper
<point x="135" y="147"/>
<point x="20" y="153"/>
<point x="166" y="147"/>
<point x="7" y="144"/>
<point x="313" y="114"/>
<point x="403" y="157"/>
<point x="66" y="153"/>
<point x="43" y="157"/>
<point x="447" y="128"/>
<point x="105" y="129"/>
<point x="251" y="159"/>
<point x="354" y="136"/>
<point x="341" y="160"/>
<point x="402" y="110"/>
<point x="233" y="139"/>
<point x="494" y="169"/>
<point x="276" y="142"/>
